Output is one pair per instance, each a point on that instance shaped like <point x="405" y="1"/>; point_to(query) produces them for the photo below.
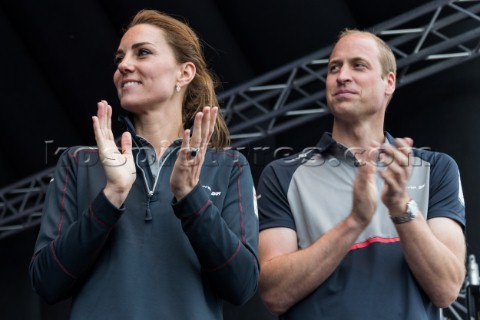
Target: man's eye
<point x="333" y="68"/>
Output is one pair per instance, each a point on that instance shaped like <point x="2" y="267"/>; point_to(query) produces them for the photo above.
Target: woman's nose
<point x="125" y="65"/>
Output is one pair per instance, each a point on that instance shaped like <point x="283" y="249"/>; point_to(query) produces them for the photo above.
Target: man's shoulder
<point x="431" y="156"/>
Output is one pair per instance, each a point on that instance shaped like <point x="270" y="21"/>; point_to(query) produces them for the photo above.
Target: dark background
<point x="56" y="59"/>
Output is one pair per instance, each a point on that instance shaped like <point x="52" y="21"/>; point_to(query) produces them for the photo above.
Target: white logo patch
<point x="420" y="187"/>
<point x="213" y="193"/>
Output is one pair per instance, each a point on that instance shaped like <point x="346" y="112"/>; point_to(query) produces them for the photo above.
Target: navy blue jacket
<point x="154" y="258"/>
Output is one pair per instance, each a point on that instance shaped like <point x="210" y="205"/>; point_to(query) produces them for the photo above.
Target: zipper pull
<point x="148" y="213"/>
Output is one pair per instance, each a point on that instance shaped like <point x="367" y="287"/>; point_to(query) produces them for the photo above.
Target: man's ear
<point x="187" y="73"/>
<point x="390" y="83"/>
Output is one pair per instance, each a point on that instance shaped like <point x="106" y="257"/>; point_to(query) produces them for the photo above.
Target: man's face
<point x="355" y="86"/>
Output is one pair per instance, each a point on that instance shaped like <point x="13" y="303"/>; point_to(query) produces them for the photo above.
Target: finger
<point x="104" y="116"/>
<point x="96" y="128"/>
<point x="407" y="141"/>
<point x="396" y="172"/>
<point x="394" y="175"/>
<point x="98" y="123"/>
<point x="404" y="145"/>
<point x="196" y="137"/>
<point x="105" y="113"/>
<point x="108" y="114"/>
<point x="101" y="113"/>
<point x="396" y="155"/>
<point x="185" y="148"/>
<point x="109" y="122"/>
<point x="205" y="126"/>
<point x="371" y="156"/>
<point x="126" y="143"/>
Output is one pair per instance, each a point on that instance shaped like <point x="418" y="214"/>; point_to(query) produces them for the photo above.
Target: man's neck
<point x="359" y="136"/>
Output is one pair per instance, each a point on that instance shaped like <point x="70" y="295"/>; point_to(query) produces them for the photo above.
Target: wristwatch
<point x="412" y="213"/>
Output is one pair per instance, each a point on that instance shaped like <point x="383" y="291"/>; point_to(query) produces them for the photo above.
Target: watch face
<point x="412" y="209"/>
<point x="412" y="212"/>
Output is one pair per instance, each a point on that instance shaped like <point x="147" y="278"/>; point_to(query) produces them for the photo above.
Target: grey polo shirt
<point x="311" y="192"/>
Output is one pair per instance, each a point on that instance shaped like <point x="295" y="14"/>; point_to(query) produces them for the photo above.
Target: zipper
<point x="150" y="192"/>
<point x="148" y="213"/>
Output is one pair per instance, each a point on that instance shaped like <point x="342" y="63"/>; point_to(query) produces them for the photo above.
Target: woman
<point x="163" y="228"/>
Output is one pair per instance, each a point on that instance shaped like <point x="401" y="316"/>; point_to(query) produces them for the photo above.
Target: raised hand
<point x="398" y="167"/>
<point x="186" y="171"/>
<point x="119" y="165"/>
<point x="365" y="193"/>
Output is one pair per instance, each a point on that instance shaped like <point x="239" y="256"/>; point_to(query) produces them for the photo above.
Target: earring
<point x="177" y="87"/>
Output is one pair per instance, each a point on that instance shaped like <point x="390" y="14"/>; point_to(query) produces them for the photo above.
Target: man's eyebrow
<point x="333" y="61"/>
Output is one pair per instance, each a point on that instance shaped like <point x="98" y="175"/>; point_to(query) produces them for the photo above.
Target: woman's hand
<point x="186" y="171"/>
<point x="119" y="166"/>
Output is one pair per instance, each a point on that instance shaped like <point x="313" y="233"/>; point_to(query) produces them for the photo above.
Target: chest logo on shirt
<point x="420" y="187"/>
<point x="212" y="193"/>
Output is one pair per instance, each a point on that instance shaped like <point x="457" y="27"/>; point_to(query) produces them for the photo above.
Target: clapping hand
<point x="186" y="171"/>
<point x="119" y="165"/>
<point x="398" y="167"/>
<point x="365" y="193"/>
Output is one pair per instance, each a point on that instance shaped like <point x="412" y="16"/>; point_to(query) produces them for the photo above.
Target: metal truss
<point x="21" y="203"/>
<point x="426" y="40"/>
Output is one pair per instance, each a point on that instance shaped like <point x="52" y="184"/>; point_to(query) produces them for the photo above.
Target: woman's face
<point x="147" y="70"/>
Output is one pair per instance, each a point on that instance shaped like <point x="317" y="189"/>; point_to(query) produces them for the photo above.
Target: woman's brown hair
<point x="200" y="91"/>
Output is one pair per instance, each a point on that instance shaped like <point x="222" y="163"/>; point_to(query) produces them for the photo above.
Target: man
<point x="363" y="226"/>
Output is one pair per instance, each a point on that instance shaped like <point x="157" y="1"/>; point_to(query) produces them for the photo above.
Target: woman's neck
<point x="159" y="128"/>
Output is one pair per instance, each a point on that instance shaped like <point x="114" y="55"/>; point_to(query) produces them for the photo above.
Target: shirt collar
<point x="327" y="145"/>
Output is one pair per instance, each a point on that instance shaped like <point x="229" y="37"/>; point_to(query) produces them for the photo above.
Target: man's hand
<point x="397" y="160"/>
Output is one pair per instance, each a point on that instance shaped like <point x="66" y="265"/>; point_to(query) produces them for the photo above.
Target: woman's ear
<point x="187" y="73"/>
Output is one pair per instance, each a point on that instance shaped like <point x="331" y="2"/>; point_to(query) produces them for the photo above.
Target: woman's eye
<point x="143" y="52"/>
<point x="117" y="60"/>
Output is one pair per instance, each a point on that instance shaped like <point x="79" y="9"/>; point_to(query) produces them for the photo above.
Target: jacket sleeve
<point x="225" y="239"/>
<point x="69" y="241"/>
